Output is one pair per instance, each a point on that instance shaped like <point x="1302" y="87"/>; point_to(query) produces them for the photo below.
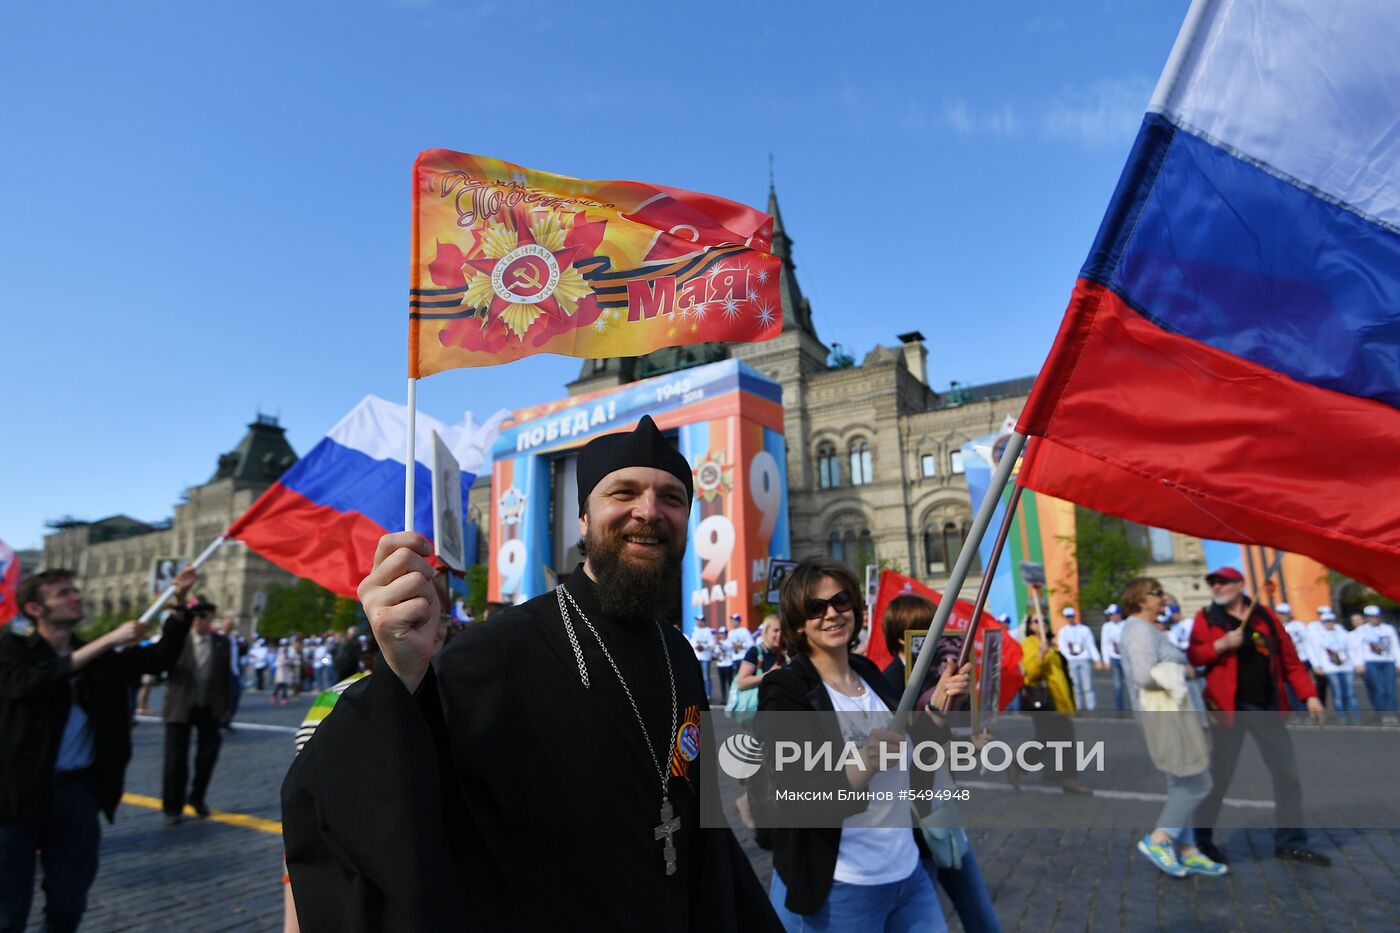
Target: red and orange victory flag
<point x="509" y="262"/>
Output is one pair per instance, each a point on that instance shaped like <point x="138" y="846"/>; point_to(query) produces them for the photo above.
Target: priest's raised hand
<point x="401" y="604"/>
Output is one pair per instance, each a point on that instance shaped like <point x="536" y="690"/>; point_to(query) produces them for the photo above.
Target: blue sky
<point x="206" y="206"/>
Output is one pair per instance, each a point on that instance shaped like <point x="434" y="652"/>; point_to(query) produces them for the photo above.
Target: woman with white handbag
<point x="1166" y="700"/>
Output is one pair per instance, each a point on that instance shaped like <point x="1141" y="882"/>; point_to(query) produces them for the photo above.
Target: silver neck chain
<point x="663" y="770"/>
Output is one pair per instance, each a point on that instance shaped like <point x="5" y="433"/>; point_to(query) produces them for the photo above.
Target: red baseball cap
<point x="1225" y="575"/>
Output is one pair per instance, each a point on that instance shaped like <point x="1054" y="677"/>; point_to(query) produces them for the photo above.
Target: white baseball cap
<point x="1112" y="608"/>
<point x="1371" y="610"/>
<point x="1325" y="614"/>
<point x="1068" y="612"/>
<point x="1283" y="607"/>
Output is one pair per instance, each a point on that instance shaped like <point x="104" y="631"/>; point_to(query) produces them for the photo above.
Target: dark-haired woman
<point x="853" y="877"/>
<point x="956" y="869"/>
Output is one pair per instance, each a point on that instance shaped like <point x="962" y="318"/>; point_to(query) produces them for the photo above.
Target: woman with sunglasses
<point x="850" y="877"/>
<point x="1165" y="696"/>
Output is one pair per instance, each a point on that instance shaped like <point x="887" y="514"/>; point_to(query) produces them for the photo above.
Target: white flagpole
<point x="1186" y="42"/>
<point x="412" y="454"/>
<point x="164" y="597"/>
<point x="914" y="685"/>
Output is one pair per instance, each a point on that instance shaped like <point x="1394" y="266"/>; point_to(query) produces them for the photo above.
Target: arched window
<point x="861" y="472"/>
<point x="976" y="565"/>
<point x="935" y="557"/>
<point x="834" y="546"/>
<point x="952" y="543"/>
<point x="828" y="467"/>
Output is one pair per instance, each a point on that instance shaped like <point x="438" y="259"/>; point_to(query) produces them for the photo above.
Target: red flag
<point x="9" y="580"/>
<point x="896" y="584"/>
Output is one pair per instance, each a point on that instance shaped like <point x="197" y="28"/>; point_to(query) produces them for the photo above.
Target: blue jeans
<point x="908" y="906"/>
<point x="1117" y="667"/>
<point x="1343" y="684"/>
<point x="67" y="847"/>
<point x="968" y="892"/>
<point x="1380" y="685"/>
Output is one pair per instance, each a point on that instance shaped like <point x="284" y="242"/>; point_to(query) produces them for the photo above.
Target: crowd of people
<point x="563" y="680"/>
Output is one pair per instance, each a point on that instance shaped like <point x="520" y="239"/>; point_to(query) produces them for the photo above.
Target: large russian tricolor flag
<point x="322" y="519"/>
<point x="1229" y="365"/>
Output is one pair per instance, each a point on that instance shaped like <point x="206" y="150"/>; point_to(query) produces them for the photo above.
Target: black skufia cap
<point x="644" y="446"/>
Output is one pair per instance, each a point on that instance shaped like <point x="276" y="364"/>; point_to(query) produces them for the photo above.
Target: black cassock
<point x="504" y="795"/>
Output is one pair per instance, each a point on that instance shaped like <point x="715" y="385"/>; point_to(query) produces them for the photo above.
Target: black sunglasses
<point x="841" y="602"/>
<point x="1156" y="593"/>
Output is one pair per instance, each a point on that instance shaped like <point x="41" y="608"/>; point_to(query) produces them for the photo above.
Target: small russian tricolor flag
<point x="323" y="518"/>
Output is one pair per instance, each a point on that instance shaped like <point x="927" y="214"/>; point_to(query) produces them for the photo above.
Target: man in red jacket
<point x="1248" y="659"/>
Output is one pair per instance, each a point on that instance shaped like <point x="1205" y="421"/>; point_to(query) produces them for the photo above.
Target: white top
<point x="1109" y="636"/>
<point x="872" y="850"/>
<point x="1180" y="633"/>
<point x="742" y="638"/>
<point x="1076" y="643"/>
<point x="1330" y="652"/>
<point x="1374" y="643"/>
<point x="724" y="652"/>
<point x="1298" y="631"/>
<point x="703" y="641"/>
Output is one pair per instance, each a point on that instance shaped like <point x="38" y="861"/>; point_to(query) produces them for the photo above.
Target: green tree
<point x="302" y="608"/>
<point x="347" y="612"/>
<point x="1107" y="555"/>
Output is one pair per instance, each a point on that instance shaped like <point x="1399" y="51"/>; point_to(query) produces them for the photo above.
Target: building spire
<point x="797" y="313"/>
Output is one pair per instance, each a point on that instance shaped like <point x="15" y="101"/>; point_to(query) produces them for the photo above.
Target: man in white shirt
<point x="1329" y="657"/>
<point x="724" y="660"/>
<point x="1076" y="643"/>
<point x="1375" y="654"/>
<point x="739" y="635"/>
<point x="1299" y="633"/>
<point x="703" y="641"/>
<point x="1178" y="629"/>
<point x="1109" y="636"/>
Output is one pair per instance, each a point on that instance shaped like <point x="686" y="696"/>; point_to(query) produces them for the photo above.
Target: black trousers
<point x="1276" y="748"/>
<point x="177" y="759"/>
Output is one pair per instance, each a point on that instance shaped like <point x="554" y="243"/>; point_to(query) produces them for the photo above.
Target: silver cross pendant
<point x="670" y="825"/>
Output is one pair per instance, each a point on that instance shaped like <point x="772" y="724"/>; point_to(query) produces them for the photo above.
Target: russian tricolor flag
<point x="323" y="518"/>
<point x="1229" y="365"/>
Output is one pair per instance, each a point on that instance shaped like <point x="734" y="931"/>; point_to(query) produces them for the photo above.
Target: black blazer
<point x="806" y="858"/>
<point x="179" y="691"/>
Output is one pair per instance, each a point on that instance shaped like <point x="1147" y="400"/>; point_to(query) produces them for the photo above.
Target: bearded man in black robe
<point x="544" y="770"/>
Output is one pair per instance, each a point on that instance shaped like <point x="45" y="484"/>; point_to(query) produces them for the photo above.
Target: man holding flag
<point x="555" y="749"/>
<point x="515" y="779"/>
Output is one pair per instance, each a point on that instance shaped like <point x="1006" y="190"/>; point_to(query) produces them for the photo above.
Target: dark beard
<point x="632" y="592"/>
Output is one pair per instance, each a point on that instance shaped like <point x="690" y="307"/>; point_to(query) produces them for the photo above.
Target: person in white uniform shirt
<point x="1076" y="643"/>
<point x="1299" y="633"/>
<point x="1109" y="636"/>
<point x="725" y="660"/>
<point x="1315" y="627"/>
<point x="1178" y="629"/>
<point x="1375" y="654"/>
<point x="739" y="636"/>
<point x="703" y="641"/>
<point x="1329" y="657"/>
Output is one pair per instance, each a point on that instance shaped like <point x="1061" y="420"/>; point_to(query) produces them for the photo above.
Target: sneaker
<point x="1163" y="855"/>
<point x="1198" y="864"/>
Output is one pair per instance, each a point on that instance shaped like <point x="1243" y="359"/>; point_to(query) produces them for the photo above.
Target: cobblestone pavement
<point x="208" y="876"/>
